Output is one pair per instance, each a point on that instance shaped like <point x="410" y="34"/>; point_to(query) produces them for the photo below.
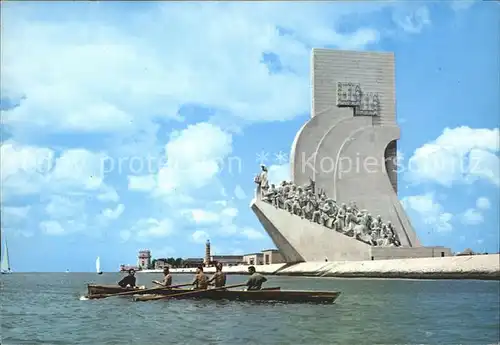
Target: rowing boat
<point x="94" y="289"/>
<point x="269" y="294"/>
<point x="257" y="295"/>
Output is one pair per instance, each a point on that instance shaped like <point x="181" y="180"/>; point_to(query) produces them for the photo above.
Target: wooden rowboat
<point x="93" y="289"/>
<point x="269" y="294"/>
<point x="258" y="295"/>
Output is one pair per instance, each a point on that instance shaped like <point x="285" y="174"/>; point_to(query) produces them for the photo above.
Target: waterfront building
<point x="253" y="259"/>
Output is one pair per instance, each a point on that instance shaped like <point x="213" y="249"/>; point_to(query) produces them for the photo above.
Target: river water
<point x="45" y="308"/>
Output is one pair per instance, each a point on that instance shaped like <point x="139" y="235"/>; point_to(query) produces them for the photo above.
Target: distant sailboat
<point x="5" y="265"/>
<point x="98" y="265"/>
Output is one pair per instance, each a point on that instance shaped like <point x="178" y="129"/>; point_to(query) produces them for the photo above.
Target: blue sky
<point x="129" y="126"/>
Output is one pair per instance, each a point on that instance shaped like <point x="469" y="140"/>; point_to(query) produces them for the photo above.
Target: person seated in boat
<point x="200" y="281"/>
<point x="256" y="279"/>
<point x="129" y="280"/>
<point x="167" y="278"/>
<point x="218" y="280"/>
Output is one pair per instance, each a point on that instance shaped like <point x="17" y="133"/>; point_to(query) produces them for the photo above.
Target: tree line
<point x="175" y="263"/>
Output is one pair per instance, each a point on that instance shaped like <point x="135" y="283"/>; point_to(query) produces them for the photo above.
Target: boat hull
<point x="275" y="294"/>
<point x="262" y="296"/>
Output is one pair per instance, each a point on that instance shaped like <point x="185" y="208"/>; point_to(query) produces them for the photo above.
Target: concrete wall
<point x="334" y="136"/>
<point x="454" y="267"/>
<point x="387" y="253"/>
<point x="302" y="240"/>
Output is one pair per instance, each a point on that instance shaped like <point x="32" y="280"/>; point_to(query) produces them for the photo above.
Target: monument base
<point x="300" y="240"/>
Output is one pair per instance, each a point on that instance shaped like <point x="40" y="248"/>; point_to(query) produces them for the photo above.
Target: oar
<point x="170" y="287"/>
<point x="133" y="292"/>
<point x="152" y="298"/>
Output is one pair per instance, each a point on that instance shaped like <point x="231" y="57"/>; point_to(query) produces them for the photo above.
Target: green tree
<point x="153" y="263"/>
<point x="178" y="262"/>
<point x="171" y="261"/>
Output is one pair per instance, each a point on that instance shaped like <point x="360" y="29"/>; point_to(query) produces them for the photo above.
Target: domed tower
<point x="206" y="261"/>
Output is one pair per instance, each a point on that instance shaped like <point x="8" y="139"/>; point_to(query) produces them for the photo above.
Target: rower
<point x="219" y="277"/>
<point x="256" y="279"/>
<point x="129" y="280"/>
<point x="200" y="281"/>
<point x="167" y="278"/>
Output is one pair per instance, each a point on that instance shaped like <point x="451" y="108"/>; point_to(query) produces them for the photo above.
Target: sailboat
<point x="5" y="265"/>
<point x="98" y="265"/>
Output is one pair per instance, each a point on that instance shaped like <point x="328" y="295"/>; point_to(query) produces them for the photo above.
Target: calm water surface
<point x="44" y="308"/>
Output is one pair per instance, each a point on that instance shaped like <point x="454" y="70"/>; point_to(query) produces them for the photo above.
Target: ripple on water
<point x="46" y="309"/>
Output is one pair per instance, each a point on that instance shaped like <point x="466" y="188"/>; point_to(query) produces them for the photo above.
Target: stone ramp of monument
<point x="299" y="239"/>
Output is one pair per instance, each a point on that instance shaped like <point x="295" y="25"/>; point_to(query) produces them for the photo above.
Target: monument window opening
<point x="442" y="254"/>
<point x="373" y="258"/>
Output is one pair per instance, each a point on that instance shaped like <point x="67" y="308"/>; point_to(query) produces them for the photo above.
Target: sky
<point x="128" y="126"/>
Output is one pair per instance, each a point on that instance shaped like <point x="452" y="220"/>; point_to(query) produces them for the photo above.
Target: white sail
<point x="5" y="265"/>
<point x="98" y="264"/>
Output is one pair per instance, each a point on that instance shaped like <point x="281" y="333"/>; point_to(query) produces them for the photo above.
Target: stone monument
<point x="342" y="202"/>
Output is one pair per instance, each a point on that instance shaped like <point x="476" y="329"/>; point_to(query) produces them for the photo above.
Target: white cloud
<point x="459" y="5"/>
<point x="64" y="207"/>
<point x="23" y="168"/>
<point x="472" y="217"/>
<point x="125" y="235"/>
<point x="149" y="229"/>
<point x="483" y="203"/>
<point x="163" y="252"/>
<point x="199" y="236"/>
<point x="78" y="168"/>
<point x="429" y="211"/>
<point x="252" y="234"/>
<point x="222" y="218"/>
<point x="459" y="155"/>
<point x="204" y="217"/>
<point x="99" y="78"/>
<point x="194" y="157"/>
<point x="229" y="212"/>
<point x="18" y="159"/>
<point x="108" y="194"/>
<point x="115" y="213"/>
<point x="52" y="227"/>
<point x="414" y="21"/>
<point x="32" y="170"/>
<point x="278" y="173"/>
<point x="15" y="212"/>
<point x="145" y="183"/>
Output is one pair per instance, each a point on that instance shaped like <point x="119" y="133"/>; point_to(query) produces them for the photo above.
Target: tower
<point x="144" y="259"/>
<point x="206" y="261"/>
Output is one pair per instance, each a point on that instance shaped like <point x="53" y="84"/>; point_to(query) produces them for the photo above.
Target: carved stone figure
<point x="270" y="194"/>
<point x="318" y="208"/>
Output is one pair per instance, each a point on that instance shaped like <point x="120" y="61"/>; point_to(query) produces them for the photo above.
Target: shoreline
<point x="476" y="267"/>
